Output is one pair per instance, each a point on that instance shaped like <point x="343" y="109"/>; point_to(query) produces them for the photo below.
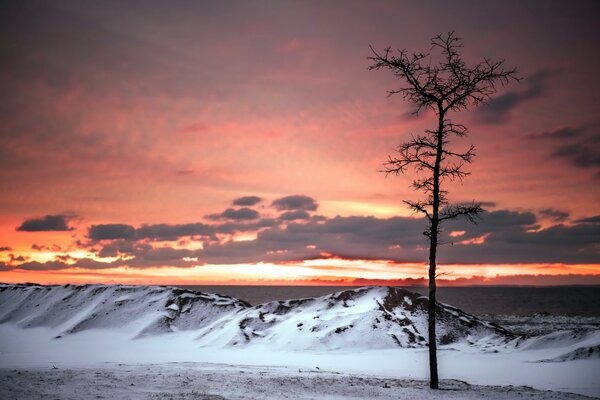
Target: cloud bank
<point x="501" y="236"/>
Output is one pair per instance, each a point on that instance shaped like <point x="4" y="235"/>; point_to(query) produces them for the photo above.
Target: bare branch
<point x="466" y="156"/>
<point x="453" y="172"/>
<point x="442" y="274"/>
<point x="418" y="206"/>
<point x="408" y="68"/>
<point x="469" y="211"/>
<point x="448" y="85"/>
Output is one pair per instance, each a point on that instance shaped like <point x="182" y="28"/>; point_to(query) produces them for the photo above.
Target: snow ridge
<point x="139" y="310"/>
<point x="368" y="317"/>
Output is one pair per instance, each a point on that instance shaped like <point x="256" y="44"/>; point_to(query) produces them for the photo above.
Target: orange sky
<point x="513" y="275"/>
<point x="130" y="135"/>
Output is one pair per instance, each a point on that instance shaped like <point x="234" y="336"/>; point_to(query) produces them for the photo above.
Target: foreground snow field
<point x="193" y="381"/>
<point x="80" y="341"/>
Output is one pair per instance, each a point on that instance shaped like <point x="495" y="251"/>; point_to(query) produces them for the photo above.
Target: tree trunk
<point x="433" y="369"/>
<point x="433" y="242"/>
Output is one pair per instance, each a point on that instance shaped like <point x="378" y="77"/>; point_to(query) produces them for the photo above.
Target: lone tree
<point x="441" y="81"/>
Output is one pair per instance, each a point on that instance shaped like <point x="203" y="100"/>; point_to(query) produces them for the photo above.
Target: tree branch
<point x="469" y="211"/>
<point x="419" y="206"/>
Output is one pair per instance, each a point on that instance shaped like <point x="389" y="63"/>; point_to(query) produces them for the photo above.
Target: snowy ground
<point x="92" y="359"/>
<point x="217" y="382"/>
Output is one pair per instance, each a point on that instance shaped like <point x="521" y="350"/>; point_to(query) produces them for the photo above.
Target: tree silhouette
<point x="445" y="85"/>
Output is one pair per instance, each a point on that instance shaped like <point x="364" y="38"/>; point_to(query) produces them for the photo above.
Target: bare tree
<point x="441" y="81"/>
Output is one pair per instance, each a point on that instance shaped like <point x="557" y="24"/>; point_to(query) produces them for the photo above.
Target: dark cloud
<point x="233" y="227"/>
<point x="240" y="214"/>
<point x="295" y="203"/>
<point x="41" y="266"/>
<point x="493" y="222"/>
<point x="17" y="258"/>
<point x="247" y="201"/>
<point x="560" y="133"/>
<point x="163" y="256"/>
<point x="117" y="248"/>
<point x="526" y="244"/>
<point x="498" y="108"/>
<point x="243" y="213"/>
<point x="5" y="248"/>
<point x="501" y="236"/>
<point x="141" y="255"/>
<point x="153" y="232"/>
<point x="144" y="257"/>
<point x="555" y="215"/>
<point x="350" y="237"/>
<point x="41" y="247"/>
<point x="47" y="223"/>
<point x="294" y="215"/>
<point x="591" y="220"/>
<point x="111" y="232"/>
<point x="172" y="232"/>
<point x="580" y="146"/>
<point x="583" y="154"/>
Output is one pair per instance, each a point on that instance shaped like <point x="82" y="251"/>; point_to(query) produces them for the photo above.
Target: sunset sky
<point x="210" y="142"/>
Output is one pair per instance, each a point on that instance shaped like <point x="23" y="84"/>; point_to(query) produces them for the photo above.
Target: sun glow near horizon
<point x="324" y="271"/>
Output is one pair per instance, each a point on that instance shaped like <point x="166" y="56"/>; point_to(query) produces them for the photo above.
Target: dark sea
<point x="478" y="300"/>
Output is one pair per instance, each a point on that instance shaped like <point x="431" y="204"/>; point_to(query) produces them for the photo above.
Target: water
<point x="478" y="300"/>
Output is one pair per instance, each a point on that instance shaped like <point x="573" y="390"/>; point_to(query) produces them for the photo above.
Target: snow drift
<point x="139" y="310"/>
<point x="370" y="317"/>
<point x="581" y="353"/>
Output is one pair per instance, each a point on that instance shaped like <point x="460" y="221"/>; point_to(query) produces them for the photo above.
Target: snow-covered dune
<point x="370" y="317"/>
<point x="581" y="353"/>
<point x="367" y="318"/>
<point x="138" y="310"/>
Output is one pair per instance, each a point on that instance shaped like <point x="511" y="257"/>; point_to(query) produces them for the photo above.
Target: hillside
<point x="370" y="317"/>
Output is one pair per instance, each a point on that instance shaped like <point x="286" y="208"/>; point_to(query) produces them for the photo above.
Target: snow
<point x="139" y="310"/>
<point x="260" y="350"/>
<point x="542" y="324"/>
<point x="580" y="353"/>
<point x="218" y="382"/>
<point x="364" y="318"/>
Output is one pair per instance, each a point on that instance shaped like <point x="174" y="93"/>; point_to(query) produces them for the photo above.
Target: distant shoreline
<point x="565" y="300"/>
